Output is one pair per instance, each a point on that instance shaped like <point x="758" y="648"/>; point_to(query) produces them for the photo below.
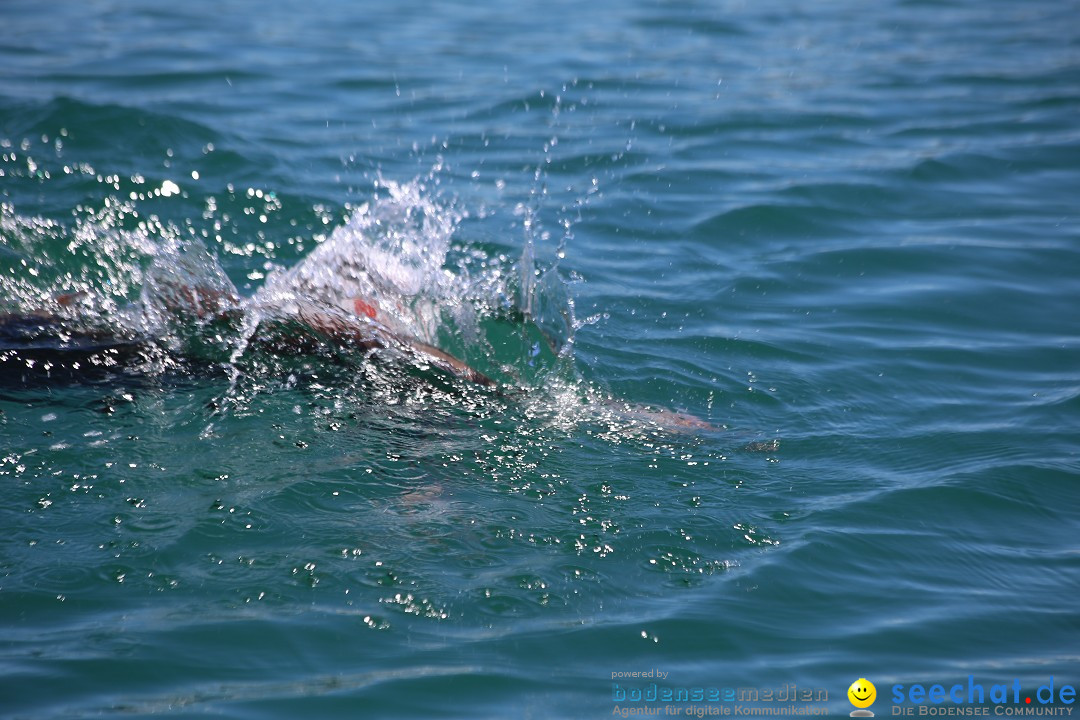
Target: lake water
<point x="844" y="234"/>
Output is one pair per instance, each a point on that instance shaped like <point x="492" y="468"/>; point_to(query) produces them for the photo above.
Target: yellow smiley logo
<point x="862" y="693"/>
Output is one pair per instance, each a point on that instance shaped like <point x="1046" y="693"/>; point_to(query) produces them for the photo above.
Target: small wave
<point x="798" y="220"/>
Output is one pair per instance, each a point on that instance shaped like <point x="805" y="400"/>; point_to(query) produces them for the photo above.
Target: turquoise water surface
<point x="845" y="235"/>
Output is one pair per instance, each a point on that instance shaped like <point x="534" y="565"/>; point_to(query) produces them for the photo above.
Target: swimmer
<point x="53" y="336"/>
<point x="355" y="309"/>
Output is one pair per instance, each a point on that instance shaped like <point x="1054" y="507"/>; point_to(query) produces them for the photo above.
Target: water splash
<point x="390" y="254"/>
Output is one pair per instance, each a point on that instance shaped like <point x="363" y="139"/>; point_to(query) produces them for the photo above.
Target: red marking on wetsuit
<point x="363" y="308"/>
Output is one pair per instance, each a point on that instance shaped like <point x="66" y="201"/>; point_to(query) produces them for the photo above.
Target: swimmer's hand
<point x="662" y="418"/>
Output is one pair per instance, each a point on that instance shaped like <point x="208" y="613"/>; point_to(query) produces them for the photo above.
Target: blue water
<point x="843" y="234"/>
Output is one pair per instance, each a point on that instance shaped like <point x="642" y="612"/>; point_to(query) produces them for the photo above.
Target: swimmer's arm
<point x="371" y="336"/>
<point x="451" y="364"/>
